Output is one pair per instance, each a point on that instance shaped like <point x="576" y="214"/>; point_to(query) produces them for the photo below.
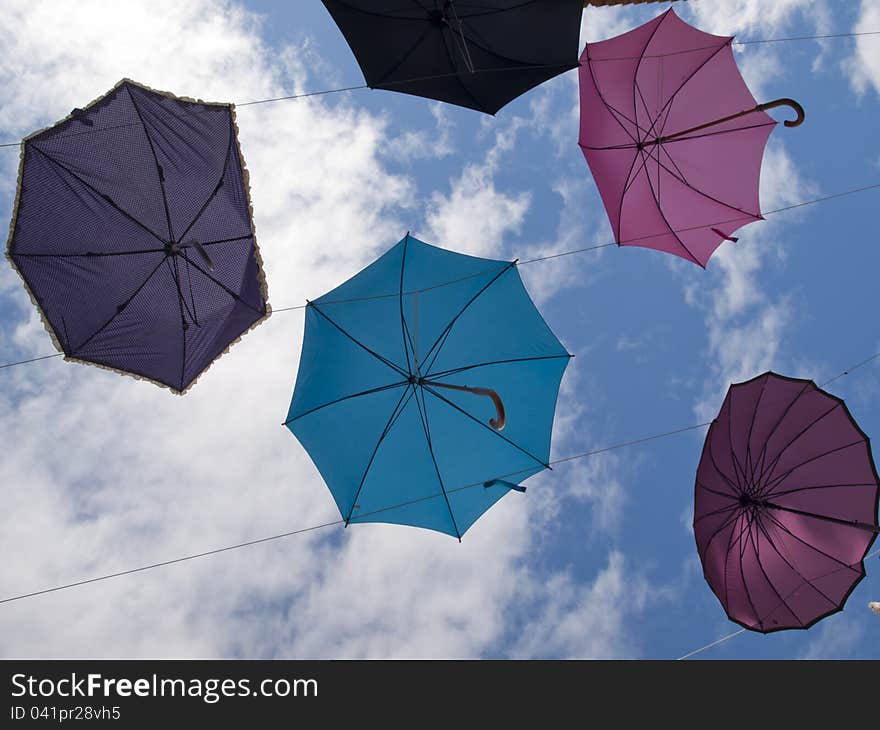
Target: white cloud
<point x="589" y="621"/>
<point x="746" y="324"/>
<point x="864" y="65"/>
<point x="425" y="144"/>
<point x="475" y="215"/>
<point x="106" y="473"/>
<point x="838" y="638"/>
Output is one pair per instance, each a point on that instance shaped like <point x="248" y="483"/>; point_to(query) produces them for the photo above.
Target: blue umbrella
<point x="426" y="389"/>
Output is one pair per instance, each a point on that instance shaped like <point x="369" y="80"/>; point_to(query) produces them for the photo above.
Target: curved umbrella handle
<point x="798" y="109"/>
<point x="500" y="420"/>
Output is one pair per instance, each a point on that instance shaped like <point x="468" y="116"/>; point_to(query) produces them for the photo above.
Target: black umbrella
<point x="477" y="54"/>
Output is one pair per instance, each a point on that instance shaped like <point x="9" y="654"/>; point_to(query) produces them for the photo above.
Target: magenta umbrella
<point x="785" y="503"/>
<point x="673" y="136"/>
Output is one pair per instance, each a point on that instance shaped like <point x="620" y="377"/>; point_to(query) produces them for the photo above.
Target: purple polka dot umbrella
<point x="133" y="233"/>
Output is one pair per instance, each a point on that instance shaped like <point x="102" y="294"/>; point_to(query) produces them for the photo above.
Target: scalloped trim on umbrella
<point x="261" y="274"/>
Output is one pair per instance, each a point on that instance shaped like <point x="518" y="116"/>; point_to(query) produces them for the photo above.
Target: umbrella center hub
<point x="172" y="249"/>
<point x="746" y="501"/>
<point x="416" y="380"/>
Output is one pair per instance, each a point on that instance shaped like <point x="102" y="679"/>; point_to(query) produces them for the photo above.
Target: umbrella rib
<point x="119" y="310"/>
<point x="458" y="74"/>
<point x="737" y="516"/>
<point x="727" y="522"/>
<point x="192" y="296"/>
<point x="174" y="271"/>
<point x="706" y="195"/>
<point x="726" y="495"/>
<point x="784" y="601"/>
<point x="495" y="11"/>
<point x="635" y="78"/>
<point x="737" y="467"/>
<point x="375" y="354"/>
<point x="747" y="531"/>
<point x="606" y="103"/>
<point x="384" y="15"/>
<point x="826" y="518"/>
<point x="768" y="471"/>
<point x="219" y="182"/>
<point x="834" y="604"/>
<point x="89" y="254"/>
<point x="752" y="428"/>
<point x="97" y="192"/>
<point x="443" y="337"/>
<point x="448" y="327"/>
<point x="714" y="512"/>
<point x="480" y="43"/>
<point x="225" y="288"/>
<point x="423" y="415"/>
<point x="383" y="79"/>
<point x="732" y="482"/>
<point x="822" y="486"/>
<point x="768" y="487"/>
<point x="637" y="89"/>
<point x="782" y="526"/>
<point x="427" y="386"/>
<point x="392" y="419"/>
<point x="159" y="173"/>
<point x="454" y="371"/>
<point x="227" y="240"/>
<point x="370" y="391"/>
<point x="403" y="329"/>
<point x="666" y="221"/>
<point x="183" y="325"/>
<point x="763" y="455"/>
<point x="630" y="181"/>
<point x="689" y="77"/>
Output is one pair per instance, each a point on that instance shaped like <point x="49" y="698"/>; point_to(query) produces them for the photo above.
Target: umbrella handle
<point x="500" y="420"/>
<point x="798" y="109"/>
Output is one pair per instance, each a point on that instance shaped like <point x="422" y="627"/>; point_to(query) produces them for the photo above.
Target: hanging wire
<point x="324" y="525"/>
<point x="549" y="257"/>
<point x="389" y="86"/>
<point x="321" y="526"/>
<point x="33" y="359"/>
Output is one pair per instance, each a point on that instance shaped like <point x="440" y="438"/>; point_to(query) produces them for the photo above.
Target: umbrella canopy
<point x="785" y="504"/>
<point x="132" y="231"/>
<point x="673" y="137"/>
<point x="479" y="55"/>
<point x="426" y="389"/>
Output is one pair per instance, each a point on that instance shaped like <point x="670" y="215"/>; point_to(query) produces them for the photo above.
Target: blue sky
<point x="598" y="559"/>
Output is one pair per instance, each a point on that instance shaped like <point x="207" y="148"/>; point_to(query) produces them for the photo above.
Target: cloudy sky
<point x="102" y="473"/>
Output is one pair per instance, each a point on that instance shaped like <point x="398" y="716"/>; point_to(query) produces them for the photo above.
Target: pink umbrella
<point x="673" y="136"/>
<point x="785" y="504"/>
